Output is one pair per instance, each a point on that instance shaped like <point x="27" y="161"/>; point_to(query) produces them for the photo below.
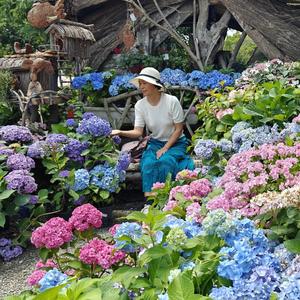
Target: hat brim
<point x="135" y="81"/>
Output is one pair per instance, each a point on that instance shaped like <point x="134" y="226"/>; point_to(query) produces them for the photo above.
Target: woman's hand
<point x="161" y="152"/>
<point x="115" y="132"/>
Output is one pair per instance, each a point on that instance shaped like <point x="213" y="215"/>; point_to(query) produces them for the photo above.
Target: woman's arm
<point x="135" y="133"/>
<point x="172" y="140"/>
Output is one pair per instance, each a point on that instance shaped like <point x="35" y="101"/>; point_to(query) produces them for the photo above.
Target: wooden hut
<point x="71" y="38"/>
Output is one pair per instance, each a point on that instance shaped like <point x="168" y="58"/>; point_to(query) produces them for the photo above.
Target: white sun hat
<point x="148" y="74"/>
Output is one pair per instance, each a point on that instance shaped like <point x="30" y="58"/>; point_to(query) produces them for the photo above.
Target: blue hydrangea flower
<point x="56" y="138"/>
<point x="71" y="123"/>
<point x="51" y="279"/>
<point x="94" y="126"/>
<point x="74" y="148"/>
<point x="290" y="288"/>
<point x="82" y="180"/>
<point x="204" y="148"/>
<point x="121" y="82"/>
<point x="127" y="229"/>
<point x="88" y="115"/>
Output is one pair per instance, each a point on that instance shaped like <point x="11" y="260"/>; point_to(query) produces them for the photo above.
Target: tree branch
<point x="173" y="34"/>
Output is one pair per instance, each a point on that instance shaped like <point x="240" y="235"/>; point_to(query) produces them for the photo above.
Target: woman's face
<point x="147" y="88"/>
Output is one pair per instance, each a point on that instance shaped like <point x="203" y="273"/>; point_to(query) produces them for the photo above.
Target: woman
<point x="163" y="116"/>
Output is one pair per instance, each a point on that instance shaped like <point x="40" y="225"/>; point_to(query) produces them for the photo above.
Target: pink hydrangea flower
<point x="85" y="217"/>
<point x="187" y="174"/>
<point x="183" y="189"/>
<point x="53" y="234"/>
<point x="221" y="113"/>
<point x="193" y="213"/>
<point x="112" y="230"/>
<point x="98" y="252"/>
<point x="48" y="264"/>
<point x="158" y="185"/>
<point x="170" y="205"/>
<point x="201" y="187"/>
<point x="35" y="277"/>
<point x="296" y="119"/>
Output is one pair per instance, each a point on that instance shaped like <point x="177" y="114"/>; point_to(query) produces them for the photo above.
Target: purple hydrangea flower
<point x="55" y="138"/>
<point x="21" y="181"/>
<point x="14" y="133"/>
<point x="5" y="242"/>
<point x="64" y="173"/>
<point x="117" y="140"/>
<point x="79" y="201"/>
<point x="20" y="161"/>
<point x="94" y="126"/>
<point x="123" y="161"/>
<point x="9" y="252"/>
<point x="71" y="123"/>
<point x="74" y="149"/>
<point x="37" y="149"/>
<point x="88" y="115"/>
<point x="6" y="151"/>
<point x="33" y="199"/>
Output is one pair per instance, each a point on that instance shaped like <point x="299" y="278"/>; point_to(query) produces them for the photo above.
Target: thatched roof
<point x="22" y="61"/>
<point x="74" y="30"/>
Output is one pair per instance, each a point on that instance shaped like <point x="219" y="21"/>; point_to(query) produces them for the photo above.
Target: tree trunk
<point x="273" y="25"/>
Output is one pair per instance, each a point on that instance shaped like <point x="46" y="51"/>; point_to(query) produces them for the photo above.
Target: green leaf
<point x="76" y="265"/>
<point x="137" y="216"/>
<point x="2" y="219"/>
<point x="44" y="253"/>
<point x="181" y="288"/>
<point x="104" y="194"/>
<point x="43" y="194"/>
<point x="126" y="275"/>
<point x="21" y="200"/>
<point x="50" y="294"/>
<point x="59" y="128"/>
<point x="153" y="253"/>
<point x="293" y="245"/>
<point x="73" y="194"/>
<point x="6" y="194"/>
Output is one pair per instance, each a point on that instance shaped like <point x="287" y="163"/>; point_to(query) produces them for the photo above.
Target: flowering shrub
<point x="13" y="133"/>
<point x="268" y="168"/>
<point x="270" y="71"/>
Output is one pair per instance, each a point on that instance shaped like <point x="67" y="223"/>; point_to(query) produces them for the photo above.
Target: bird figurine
<point x="18" y="50"/>
<point x="42" y="13"/>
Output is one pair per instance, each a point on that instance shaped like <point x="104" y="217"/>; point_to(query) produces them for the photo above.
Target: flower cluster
<point x="14" y="133"/>
<point x="204" y="81"/>
<point x="99" y="252"/>
<point x="37" y="149"/>
<point x="71" y="123"/>
<point x="56" y="138"/>
<point x="245" y="137"/>
<point x="107" y="177"/>
<point x="130" y="230"/>
<point x="8" y="251"/>
<point x="74" y="149"/>
<point x="95" y="79"/>
<point x="84" y="217"/>
<point x="21" y="181"/>
<point x="123" y="161"/>
<point x="193" y="213"/>
<point x="51" y="279"/>
<point x="20" y="162"/>
<point x="53" y="234"/>
<point x="194" y="191"/>
<point x="187" y="175"/>
<point x="82" y="180"/>
<point x="272" y="70"/>
<point x="94" y="126"/>
<point x="256" y="171"/>
<point x="275" y="200"/>
<point x="247" y="260"/>
<point x="6" y="151"/>
<point x="121" y="82"/>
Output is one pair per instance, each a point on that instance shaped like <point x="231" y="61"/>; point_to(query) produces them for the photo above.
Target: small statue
<point x="27" y="50"/>
<point x="42" y="13"/>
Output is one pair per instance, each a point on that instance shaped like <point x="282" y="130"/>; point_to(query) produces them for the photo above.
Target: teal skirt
<point x="174" y="160"/>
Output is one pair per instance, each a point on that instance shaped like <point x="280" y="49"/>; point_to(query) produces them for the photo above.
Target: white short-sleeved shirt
<point x="159" y="119"/>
